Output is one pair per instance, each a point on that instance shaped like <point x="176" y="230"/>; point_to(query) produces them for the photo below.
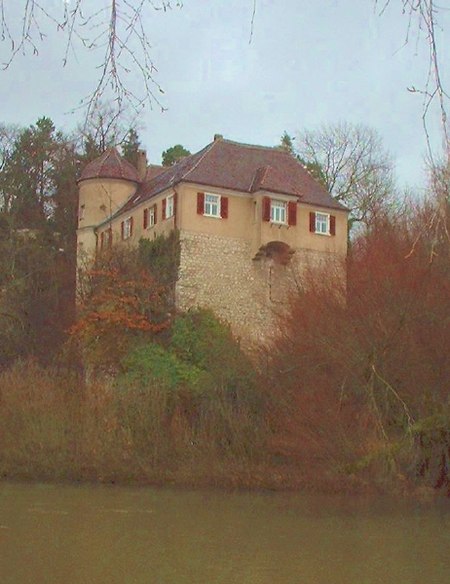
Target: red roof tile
<point x="239" y="167"/>
<point x="153" y="170"/>
<point x="110" y="165"/>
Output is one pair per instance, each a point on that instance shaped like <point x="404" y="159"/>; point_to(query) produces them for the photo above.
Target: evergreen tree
<point x="37" y="268"/>
<point x="28" y="174"/>
<point x="287" y="143"/>
<point x="174" y="154"/>
<point x="131" y="146"/>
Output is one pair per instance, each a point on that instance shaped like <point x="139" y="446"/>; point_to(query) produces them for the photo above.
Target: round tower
<point x="105" y="185"/>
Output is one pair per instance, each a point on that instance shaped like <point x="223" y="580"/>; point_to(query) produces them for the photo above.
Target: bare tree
<point x="354" y="166"/>
<point x="105" y="128"/>
<point x="423" y="19"/>
<point x="8" y="135"/>
<point x="116" y="29"/>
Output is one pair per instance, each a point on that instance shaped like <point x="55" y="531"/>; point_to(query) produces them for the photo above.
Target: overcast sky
<point x="310" y="62"/>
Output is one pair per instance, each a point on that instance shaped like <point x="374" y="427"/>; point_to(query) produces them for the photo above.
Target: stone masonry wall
<point x="219" y="273"/>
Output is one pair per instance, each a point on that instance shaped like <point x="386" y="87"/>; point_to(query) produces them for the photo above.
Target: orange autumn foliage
<point x="123" y="302"/>
<point x="361" y="365"/>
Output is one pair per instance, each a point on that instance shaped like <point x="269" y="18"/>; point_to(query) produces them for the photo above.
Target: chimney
<point x="218" y="137"/>
<point x="142" y="164"/>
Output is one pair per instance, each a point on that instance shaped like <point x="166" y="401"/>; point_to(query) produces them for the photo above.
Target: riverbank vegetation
<point x="363" y="383"/>
<point x="354" y="394"/>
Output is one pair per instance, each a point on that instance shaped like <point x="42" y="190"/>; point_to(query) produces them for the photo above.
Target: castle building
<point x="250" y="220"/>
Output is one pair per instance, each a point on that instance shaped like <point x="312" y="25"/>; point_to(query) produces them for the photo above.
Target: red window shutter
<point x="224" y="207"/>
<point x="266" y="208"/>
<point x="312" y="222"/>
<point x="163" y="209"/>
<point x="131" y="226"/>
<point x="200" y="203"/>
<point x="155" y="212"/>
<point x="332" y="225"/>
<point x="122" y="230"/>
<point x="175" y="200"/>
<point x="292" y="213"/>
<point x="145" y="218"/>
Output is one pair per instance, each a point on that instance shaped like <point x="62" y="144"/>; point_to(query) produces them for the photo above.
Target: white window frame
<point x="322" y="223"/>
<point x="151" y="216"/>
<point x="211" y="207"/>
<point x="278" y="211"/>
<point x="170" y="206"/>
<point x="127" y="228"/>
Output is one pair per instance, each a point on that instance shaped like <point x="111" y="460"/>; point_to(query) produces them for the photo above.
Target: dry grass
<point x="53" y="427"/>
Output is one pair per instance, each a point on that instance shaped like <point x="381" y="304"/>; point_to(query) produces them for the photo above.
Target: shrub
<point x="357" y="377"/>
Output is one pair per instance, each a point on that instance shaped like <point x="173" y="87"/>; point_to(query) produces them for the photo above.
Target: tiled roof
<point x="239" y="167"/>
<point x="153" y="170"/>
<point x="110" y="165"/>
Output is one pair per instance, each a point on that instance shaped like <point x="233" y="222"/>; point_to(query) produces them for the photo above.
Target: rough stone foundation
<point x="251" y="295"/>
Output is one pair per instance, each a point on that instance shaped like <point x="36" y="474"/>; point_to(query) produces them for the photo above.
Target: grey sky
<point x="310" y="62"/>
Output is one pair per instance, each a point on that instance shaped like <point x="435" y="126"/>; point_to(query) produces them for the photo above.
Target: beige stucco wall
<point x="101" y="199"/>
<point x="162" y="227"/>
<point x="245" y="221"/>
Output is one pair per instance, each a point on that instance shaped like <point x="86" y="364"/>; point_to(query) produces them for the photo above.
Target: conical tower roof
<point x="110" y="165"/>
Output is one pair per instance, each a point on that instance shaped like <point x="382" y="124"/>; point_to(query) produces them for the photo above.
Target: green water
<point x="90" y="534"/>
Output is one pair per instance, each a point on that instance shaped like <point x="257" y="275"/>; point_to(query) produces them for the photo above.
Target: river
<point x="106" y="535"/>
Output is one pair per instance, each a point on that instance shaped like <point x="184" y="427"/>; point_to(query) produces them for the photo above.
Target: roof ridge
<point x="258" y="177"/>
<point x="257" y="146"/>
<point x="208" y="148"/>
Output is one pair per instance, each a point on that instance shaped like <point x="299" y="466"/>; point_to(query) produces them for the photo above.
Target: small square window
<point x="212" y="205"/>
<point x="277" y="211"/>
<point x="323" y="223"/>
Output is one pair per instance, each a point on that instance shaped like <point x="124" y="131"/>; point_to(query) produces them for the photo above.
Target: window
<point x="212" y="205"/>
<point x="127" y="228"/>
<point x="150" y="217"/>
<point x="277" y="211"/>
<point x="81" y="212"/>
<point x="106" y="239"/>
<point x="323" y="223"/>
<point x="170" y="206"/>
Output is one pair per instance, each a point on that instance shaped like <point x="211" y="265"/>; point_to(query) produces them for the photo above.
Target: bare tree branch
<point x="356" y="169"/>
<point x="116" y="31"/>
<point x="424" y="14"/>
